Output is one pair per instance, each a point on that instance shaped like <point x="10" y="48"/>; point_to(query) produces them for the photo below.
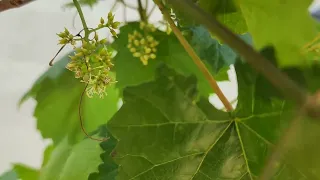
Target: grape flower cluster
<point x="91" y="61"/>
<point x="143" y="46"/>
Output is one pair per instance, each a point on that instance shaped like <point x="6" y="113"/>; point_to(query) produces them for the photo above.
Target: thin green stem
<point x="83" y="21"/>
<point x="142" y="12"/>
<point x="213" y="83"/>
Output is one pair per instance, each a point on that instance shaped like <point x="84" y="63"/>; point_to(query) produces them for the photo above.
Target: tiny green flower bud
<point x="147" y="50"/>
<point x="133" y="50"/>
<point x="103" y="52"/>
<point x="115" y="25"/>
<point x="66" y="31"/>
<point x="136" y="54"/>
<point x="86" y="78"/>
<point x="136" y="42"/>
<point x="144" y="61"/>
<point x="109" y="15"/>
<point x="142" y="24"/>
<point x="62" y="35"/>
<point x="73" y="58"/>
<point x="103" y="41"/>
<point x="142" y="41"/>
<point x="101" y="21"/>
<point x="79" y="54"/>
<point x="87" y="59"/>
<point x="63" y="41"/>
<point x="153" y="56"/>
<point x="150" y="38"/>
<point x="146" y="57"/>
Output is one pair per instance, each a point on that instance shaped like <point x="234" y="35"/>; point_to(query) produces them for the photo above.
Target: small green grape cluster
<point x="66" y="38"/>
<point x="111" y="25"/>
<point x="91" y="61"/>
<point x="143" y="46"/>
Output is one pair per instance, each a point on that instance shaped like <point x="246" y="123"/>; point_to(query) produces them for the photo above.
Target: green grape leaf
<point x="130" y="71"/>
<point x="25" y="172"/>
<point x="163" y="134"/>
<point x="58" y="93"/>
<point x="283" y="24"/>
<point x="210" y="50"/>
<point x="227" y="12"/>
<point x="108" y="169"/>
<point x="9" y="175"/>
<point x="69" y="161"/>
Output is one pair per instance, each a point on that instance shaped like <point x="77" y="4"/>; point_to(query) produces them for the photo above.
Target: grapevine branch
<point x="195" y="57"/>
<point x="11" y="4"/>
<point x="280" y="80"/>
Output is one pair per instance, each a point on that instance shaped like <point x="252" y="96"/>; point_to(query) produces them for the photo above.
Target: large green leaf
<point x="283" y="24"/>
<point x="58" y="93"/>
<point x="163" y="134"/>
<point x="130" y="71"/>
<point x="69" y="161"/>
<point x="227" y="12"/>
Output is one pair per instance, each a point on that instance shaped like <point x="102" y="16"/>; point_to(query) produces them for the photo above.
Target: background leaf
<point x="72" y="161"/>
<point x="25" y="172"/>
<point x="227" y="12"/>
<point x="270" y="21"/>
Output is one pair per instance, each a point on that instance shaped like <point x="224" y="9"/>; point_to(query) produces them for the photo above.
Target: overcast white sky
<point x="27" y="42"/>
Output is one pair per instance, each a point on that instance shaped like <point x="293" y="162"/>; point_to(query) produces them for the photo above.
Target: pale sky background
<point x="27" y="43"/>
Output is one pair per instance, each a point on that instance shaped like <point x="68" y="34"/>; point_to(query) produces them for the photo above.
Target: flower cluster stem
<point x="83" y="21"/>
